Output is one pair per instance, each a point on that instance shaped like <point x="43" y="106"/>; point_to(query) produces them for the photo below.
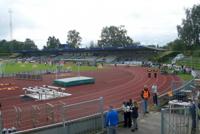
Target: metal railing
<point x="59" y="117"/>
<point x="36" y="72"/>
<point x="94" y="107"/>
<point x="175" y="121"/>
<point x="178" y="118"/>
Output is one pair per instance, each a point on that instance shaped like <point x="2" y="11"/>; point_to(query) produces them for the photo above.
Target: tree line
<point x="111" y="36"/>
<point x="14" y="45"/>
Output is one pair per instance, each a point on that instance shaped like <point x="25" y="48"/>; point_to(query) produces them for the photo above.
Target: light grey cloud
<point x="146" y="20"/>
<point x="19" y="19"/>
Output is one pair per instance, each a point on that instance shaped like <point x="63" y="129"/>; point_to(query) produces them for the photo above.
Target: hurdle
<point x="5" y="84"/>
<point x="18" y="119"/>
<point x="35" y="115"/>
<point x="152" y="72"/>
<point x="50" y="112"/>
<point x="60" y="89"/>
<point x="27" y="76"/>
<point x="53" y="87"/>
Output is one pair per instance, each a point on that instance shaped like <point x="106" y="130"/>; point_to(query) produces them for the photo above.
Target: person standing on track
<point x="111" y="120"/>
<point x="145" y="95"/>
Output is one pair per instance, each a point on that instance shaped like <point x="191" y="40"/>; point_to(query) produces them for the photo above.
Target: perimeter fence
<point x="54" y="117"/>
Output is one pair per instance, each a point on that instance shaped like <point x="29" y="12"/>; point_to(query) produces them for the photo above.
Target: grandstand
<point x="107" y="55"/>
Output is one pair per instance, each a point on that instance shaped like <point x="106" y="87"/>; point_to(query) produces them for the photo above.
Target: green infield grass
<point x="185" y="77"/>
<point x="29" y="67"/>
<point x="193" y="62"/>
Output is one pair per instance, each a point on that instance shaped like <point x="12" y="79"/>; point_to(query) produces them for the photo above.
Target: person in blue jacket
<point x="111" y="120"/>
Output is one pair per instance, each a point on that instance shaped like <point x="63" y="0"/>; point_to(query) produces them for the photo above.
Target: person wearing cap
<point x="145" y="95"/>
<point x="111" y="120"/>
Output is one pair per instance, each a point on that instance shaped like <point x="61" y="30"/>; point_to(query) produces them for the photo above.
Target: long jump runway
<point x="114" y="84"/>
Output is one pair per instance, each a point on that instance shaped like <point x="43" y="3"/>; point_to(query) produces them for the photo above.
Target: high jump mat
<point x="74" y="81"/>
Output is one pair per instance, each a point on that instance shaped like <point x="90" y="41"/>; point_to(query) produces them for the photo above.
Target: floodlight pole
<point x="56" y="72"/>
<point x="196" y="109"/>
<point x="1" y="68"/>
<point x="191" y="62"/>
<point x="78" y="69"/>
<point x="10" y="24"/>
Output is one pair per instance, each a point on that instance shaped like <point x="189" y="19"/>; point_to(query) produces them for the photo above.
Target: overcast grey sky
<point x="147" y="21"/>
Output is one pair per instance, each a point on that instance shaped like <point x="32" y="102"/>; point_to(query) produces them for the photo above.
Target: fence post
<point x="63" y="115"/>
<point x="101" y="111"/>
<point x="1" y="123"/>
<point x="162" y="121"/>
<point x="197" y="119"/>
<point x="66" y="126"/>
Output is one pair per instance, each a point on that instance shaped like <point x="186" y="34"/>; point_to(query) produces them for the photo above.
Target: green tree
<point x="4" y="46"/>
<point x="189" y="30"/>
<point x="52" y="43"/>
<point x="29" y="45"/>
<point x="176" y="45"/>
<point x="9" y="46"/>
<point x="92" y="44"/>
<point x="74" y="39"/>
<point x="113" y="36"/>
<point x="15" y="45"/>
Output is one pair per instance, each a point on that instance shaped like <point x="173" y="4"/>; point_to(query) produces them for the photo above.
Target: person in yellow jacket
<point x="145" y="94"/>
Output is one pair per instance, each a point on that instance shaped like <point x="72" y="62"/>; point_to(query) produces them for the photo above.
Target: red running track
<point x="115" y="84"/>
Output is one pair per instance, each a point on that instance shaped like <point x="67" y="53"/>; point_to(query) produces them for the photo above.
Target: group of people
<point x="130" y="111"/>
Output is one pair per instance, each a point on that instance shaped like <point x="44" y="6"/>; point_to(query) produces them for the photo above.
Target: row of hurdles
<point x="5" y="84"/>
<point x="28" y="76"/>
<point x="37" y="114"/>
<point x="8" y="86"/>
<point x="153" y="72"/>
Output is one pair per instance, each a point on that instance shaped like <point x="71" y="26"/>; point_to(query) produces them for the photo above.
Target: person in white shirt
<point x="154" y="90"/>
<point x="124" y="109"/>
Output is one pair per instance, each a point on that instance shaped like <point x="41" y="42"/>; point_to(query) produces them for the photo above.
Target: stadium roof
<point x="136" y="48"/>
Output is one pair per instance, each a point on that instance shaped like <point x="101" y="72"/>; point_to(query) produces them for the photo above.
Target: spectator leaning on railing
<point x="111" y="120"/>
